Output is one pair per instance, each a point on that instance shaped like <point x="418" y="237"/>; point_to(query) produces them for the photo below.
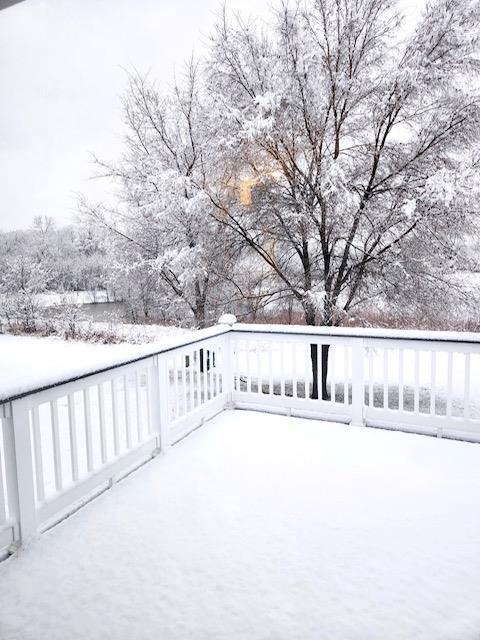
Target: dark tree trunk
<point x="207" y="360"/>
<point x="199" y="315"/>
<point x="325" y="352"/>
<point x="324" y="371"/>
<point x="310" y="320"/>
<point x="199" y="310"/>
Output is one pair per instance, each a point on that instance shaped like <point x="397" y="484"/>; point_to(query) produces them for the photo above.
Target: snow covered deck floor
<point x="265" y="527"/>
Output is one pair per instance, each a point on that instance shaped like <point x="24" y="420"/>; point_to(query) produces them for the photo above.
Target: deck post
<point x="227" y="371"/>
<point x="163" y="400"/>
<point x="358" y="383"/>
<point x="27" y="509"/>
<point x="10" y="469"/>
<point x="228" y="356"/>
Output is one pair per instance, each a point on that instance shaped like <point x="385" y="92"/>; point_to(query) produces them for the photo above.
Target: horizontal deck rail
<point x="62" y="443"/>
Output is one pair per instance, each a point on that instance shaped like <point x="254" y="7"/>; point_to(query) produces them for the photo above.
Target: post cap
<point x="227" y="318"/>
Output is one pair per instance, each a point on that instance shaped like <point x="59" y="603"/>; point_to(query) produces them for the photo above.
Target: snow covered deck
<point x="259" y="526"/>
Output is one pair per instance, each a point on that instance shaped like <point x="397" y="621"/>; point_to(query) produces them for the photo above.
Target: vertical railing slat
<point x="333" y="378"/>
<point x="213" y="371"/>
<point x="370" y="377"/>
<point x="116" y="431"/>
<point x="385" y="378"/>
<point x="358" y="382"/>
<point x="138" y="405"/>
<point x="128" y="417"/>
<point x="236" y="345"/>
<point x="306" y="367"/>
<point x="204" y="376"/>
<point x="72" y="428"/>
<point x="270" y="368"/>
<point x="294" y="370"/>
<point x="198" y="379"/>
<point x="209" y="373"/>
<point x="160" y="398"/>
<point x="259" y="367"/>
<point x="87" y="413"/>
<point x="449" y="383"/>
<point x="433" y="374"/>
<point x="175" y="386"/>
<point x="224" y="359"/>
<point x="345" y="374"/>
<point x="466" y="388"/>
<point x="38" y="454"/>
<point x="101" y="423"/>
<point x="248" y="358"/>
<point x="57" y="455"/>
<point x="416" y="397"/>
<point x="183" y="358"/>
<point x="401" y="355"/>
<point x="191" y="380"/>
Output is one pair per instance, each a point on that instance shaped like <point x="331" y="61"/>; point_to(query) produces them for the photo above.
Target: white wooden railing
<point x="63" y="444"/>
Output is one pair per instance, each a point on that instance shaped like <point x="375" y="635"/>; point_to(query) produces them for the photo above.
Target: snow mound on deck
<point x="28" y="363"/>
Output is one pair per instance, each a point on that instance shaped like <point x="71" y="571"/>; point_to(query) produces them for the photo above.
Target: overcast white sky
<point x="61" y="79"/>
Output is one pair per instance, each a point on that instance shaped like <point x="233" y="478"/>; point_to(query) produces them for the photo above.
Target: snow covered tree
<point x="22" y="280"/>
<point x="351" y="140"/>
<point x="165" y="218"/>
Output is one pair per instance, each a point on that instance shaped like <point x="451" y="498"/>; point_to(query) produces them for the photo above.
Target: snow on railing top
<point x="52" y="377"/>
<point x="360" y="332"/>
<point x="49" y="377"/>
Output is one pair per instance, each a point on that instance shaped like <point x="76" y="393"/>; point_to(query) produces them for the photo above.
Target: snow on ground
<point x="28" y="363"/>
<point x="139" y="332"/>
<point x="259" y="526"/>
<point x="51" y="298"/>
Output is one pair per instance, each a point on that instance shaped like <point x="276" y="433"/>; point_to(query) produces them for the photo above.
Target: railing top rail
<point x="171" y="345"/>
<point x="359" y="332"/>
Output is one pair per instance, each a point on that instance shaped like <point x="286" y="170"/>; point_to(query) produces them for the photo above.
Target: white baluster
<point x="38" y="454"/>
<point x="72" y="427"/>
<point x="333" y="380"/>
<point x="466" y="388"/>
<point x="138" y="406"/>
<point x="358" y="382"/>
<point x="449" y="384"/>
<point x="87" y="413"/>
<point x="385" y="378"/>
<point x="57" y="455"/>
<point x="128" y="417"/>
<point x="101" y="422"/>
<point x="294" y="370"/>
<point x="370" y="377"/>
<point x="433" y="374"/>
<point x="401" y="355"/>
<point x="416" y="397"/>
<point x="183" y="359"/>
<point x="116" y="432"/>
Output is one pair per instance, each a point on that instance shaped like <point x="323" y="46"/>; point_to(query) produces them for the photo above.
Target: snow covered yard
<point x="260" y="526"/>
